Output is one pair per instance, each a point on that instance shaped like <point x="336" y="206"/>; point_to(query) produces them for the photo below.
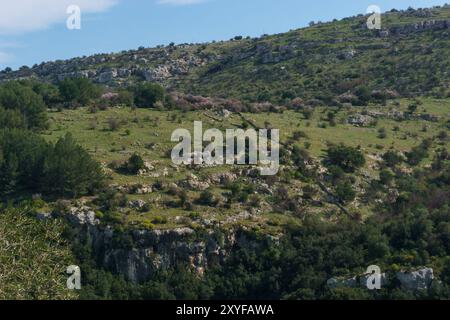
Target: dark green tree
<point x="78" y="90"/>
<point x="19" y="97"/>
<point x="134" y="164"/>
<point x="348" y="158"/>
<point x="147" y="94"/>
<point x="69" y="170"/>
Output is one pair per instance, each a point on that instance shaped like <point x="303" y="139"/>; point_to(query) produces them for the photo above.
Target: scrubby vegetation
<point x="364" y="176"/>
<point x="410" y="233"/>
<point x="33" y="257"/>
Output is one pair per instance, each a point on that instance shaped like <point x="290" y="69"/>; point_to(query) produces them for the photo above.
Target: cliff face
<point x="139" y="254"/>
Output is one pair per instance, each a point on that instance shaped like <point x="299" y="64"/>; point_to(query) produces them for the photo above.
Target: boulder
<point x="146" y="189"/>
<point x="347" y="54"/>
<point x="416" y="280"/>
<point x="222" y="178"/>
<point x="192" y="182"/>
<point x="157" y="74"/>
<point x="225" y="113"/>
<point x="124" y="73"/>
<point x="334" y="283"/>
<point x="137" y="204"/>
<point x="107" y="76"/>
<point x="361" y="120"/>
<point x="82" y="215"/>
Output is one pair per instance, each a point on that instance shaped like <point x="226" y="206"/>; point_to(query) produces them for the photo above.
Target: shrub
<point x="416" y="155"/>
<point x="125" y="98"/>
<point x="134" y="164"/>
<point x="443" y="135"/>
<point x="345" y="192"/>
<point x="364" y="95"/>
<point x="297" y="135"/>
<point x="78" y="90"/>
<point x="32" y="257"/>
<point x="348" y="158"/>
<point x="308" y="113"/>
<point x="207" y="198"/>
<point x="159" y="220"/>
<point x="382" y="134"/>
<point x="113" y="124"/>
<point x="392" y="158"/>
<point x="386" y="176"/>
<point x="147" y="224"/>
<point x="146" y="95"/>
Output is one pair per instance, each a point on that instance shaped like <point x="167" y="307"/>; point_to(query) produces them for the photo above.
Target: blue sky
<point x="33" y="31"/>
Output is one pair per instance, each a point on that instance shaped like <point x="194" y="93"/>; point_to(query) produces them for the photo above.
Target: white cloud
<point x="180" y="2"/>
<point x="21" y="16"/>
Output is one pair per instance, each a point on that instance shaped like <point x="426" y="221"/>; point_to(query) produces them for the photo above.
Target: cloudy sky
<point x="32" y="31"/>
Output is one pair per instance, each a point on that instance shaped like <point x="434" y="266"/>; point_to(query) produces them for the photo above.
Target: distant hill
<point x="409" y="56"/>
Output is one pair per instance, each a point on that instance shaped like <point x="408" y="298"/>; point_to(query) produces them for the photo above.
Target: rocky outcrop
<point x="192" y="182"/>
<point x="82" y="215"/>
<point x="347" y="54"/>
<point x="421" y="279"/>
<point x="417" y="27"/>
<point x="223" y="178"/>
<point x="361" y="120"/>
<point x="416" y="280"/>
<point x="107" y="76"/>
<point x="139" y="254"/>
<point x="158" y="74"/>
<point x="138" y="204"/>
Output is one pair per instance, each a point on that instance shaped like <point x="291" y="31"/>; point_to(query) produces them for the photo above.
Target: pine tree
<point x="8" y="174"/>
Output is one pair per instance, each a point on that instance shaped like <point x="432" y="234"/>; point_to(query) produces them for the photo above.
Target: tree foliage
<point x="25" y="107"/>
<point x="30" y="164"/>
<point x="147" y="94"/>
<point x="347" y="158"/>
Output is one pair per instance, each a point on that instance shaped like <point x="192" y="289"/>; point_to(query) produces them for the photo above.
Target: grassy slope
<point x="412" y="64"/>
<point x="146" y="126"/>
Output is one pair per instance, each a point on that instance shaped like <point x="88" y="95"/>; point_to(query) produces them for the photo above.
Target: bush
<point x="416" y="155"/>
<point x="125" y="98"/>
<point x="392" y="158"/>
<point x="78" y="90"/>
<point x="159" y="220"/>
<point x="345" y="192"/>
<point x="297" y="135"/>
<point x="386" y="176"/>
<point x="134" y="164"/>
<point x="148" y="94"/>
<point x="12" y="119"/>
<point x="364" y="95"/>
<point x="207" y="198"/>
<point x="382" y="134"/>
<point x="348" y="158"/>
<point x="114" y="123"/>
<point x="48" y="92"/>
<point x="308" y="113"/>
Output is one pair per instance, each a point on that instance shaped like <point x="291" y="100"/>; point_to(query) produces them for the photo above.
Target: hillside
<point x="409" y="56"/>
<point x="364" y="169"/>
